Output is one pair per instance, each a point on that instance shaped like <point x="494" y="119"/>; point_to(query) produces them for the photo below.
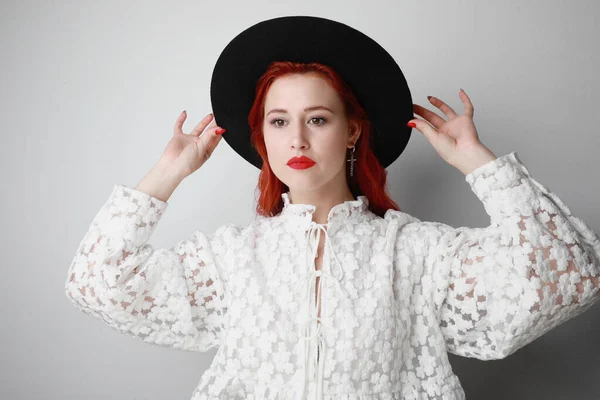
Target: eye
<point x="274" y="122"/>
<point x="319" y="118"/>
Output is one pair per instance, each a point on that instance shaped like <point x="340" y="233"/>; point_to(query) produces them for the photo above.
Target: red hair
<point x="369" y="176"/>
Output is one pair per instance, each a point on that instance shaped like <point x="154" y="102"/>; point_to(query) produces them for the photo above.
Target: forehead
<point x="300" y="89"/>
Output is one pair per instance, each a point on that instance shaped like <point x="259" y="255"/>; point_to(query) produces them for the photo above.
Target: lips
<point x="300" y="165"/>
<point x="300" y="162"/>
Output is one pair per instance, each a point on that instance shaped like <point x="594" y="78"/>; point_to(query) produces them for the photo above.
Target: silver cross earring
<point x="352" y="159"/>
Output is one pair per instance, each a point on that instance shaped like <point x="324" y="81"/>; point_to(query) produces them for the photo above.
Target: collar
<point x="350" y="209"/>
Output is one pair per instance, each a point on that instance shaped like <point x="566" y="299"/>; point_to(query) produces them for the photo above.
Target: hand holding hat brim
<point x="456" y="140"/>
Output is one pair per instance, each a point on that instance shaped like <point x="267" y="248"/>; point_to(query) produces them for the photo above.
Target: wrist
<point x="167" y="171"/>
<point x="160" y="182"/>
<point x="475" y="159"/>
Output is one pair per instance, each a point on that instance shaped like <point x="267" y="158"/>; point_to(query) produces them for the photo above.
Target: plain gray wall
<point x="91" y="91"/>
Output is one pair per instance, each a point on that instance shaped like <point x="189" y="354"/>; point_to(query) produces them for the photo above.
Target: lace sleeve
<point x="501" y="287"/>
<point x="168" y="297"/>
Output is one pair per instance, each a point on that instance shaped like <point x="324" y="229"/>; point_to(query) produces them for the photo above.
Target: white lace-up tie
<point x="306" y="325"/>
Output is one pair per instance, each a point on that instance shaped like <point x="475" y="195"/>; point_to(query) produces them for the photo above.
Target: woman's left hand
<point x="456" y="139"/>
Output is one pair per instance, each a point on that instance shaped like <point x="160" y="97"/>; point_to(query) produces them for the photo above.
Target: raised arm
<point x="501" y="287"/>
<point x="169" y="297"/>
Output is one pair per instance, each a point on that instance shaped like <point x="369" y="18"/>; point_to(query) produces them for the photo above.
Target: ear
<point x="354" y="133"/>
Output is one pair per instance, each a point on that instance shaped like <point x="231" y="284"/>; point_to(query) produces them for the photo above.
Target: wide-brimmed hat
<point x="370" y="71"/>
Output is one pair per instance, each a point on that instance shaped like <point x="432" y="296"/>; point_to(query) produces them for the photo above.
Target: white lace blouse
<point x="397" y="293"/>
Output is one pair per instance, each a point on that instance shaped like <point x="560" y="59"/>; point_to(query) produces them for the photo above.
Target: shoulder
<point x="247" y="230"/>
<point x="405" y="224"/>
<point x="434" y="238"/>
<point x="417" y="234"/>
<point x="399" y="217"/>
<point x="239" y="230"/>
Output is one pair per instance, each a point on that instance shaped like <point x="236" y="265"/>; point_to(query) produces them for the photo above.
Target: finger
<point x="212" y="145"/>
<point x="207" y="143"/>
<point x="179" y="123"/>
<point x="426" y="129"/>
<point x="209" y="134"/>
<point x="198" y="129"/>
<point x="446" y="109"/>
<point x="430" y="116"/>
<point x="469" y="110"/>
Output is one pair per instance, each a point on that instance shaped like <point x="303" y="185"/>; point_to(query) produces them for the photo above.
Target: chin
<point x="302" y="180"/>
<point x="304" y="185"/>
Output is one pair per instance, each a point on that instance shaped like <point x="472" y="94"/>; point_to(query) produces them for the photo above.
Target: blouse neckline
<point x="349" y="209"/>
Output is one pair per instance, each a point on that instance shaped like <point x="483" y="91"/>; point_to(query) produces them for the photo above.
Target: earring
<point x="352" y="159"/>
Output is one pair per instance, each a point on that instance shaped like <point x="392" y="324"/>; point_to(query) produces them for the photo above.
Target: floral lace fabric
<point x="396" y="293"/>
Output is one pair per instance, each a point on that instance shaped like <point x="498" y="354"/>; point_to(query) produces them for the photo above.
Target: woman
<point x="333" y="292"/>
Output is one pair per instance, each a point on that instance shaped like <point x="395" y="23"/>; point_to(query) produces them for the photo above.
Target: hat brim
<point x="371" y="72"/>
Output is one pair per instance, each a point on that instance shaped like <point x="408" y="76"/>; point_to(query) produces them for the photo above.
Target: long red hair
<point x="369" y="178"/>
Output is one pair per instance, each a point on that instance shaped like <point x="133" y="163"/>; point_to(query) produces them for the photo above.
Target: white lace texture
<point x="396" y="293"/>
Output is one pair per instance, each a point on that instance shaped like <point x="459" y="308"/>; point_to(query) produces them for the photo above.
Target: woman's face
<point x="293" y="129"/>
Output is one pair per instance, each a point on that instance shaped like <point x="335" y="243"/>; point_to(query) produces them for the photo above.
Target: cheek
<point x="275" y="154"/>
<point x="270" y="146"/>
<point x="268" y="142"/>
<point x="335" y="151"/>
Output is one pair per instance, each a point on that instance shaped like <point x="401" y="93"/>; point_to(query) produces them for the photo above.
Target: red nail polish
<point x="412" y="124"/>
<point x="220" y="131"/>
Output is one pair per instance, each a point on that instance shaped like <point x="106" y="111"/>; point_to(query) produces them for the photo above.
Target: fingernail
<point x="412" y="124"/>
<point x="220" y="131"/>
<point x="183" y="111"/>
<point x="429" y="97"/>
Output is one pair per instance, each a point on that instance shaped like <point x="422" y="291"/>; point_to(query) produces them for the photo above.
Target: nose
<point x="299" y="140"/>
<point x="299" y="146"/>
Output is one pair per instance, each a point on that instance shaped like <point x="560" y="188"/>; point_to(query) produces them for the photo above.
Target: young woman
<point x="332" y="291"/>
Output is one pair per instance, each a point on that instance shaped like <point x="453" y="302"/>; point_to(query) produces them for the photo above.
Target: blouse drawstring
<point x="306" y="324"/>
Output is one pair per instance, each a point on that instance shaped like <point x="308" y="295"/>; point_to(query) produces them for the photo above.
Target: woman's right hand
<point x="186" y="152"/>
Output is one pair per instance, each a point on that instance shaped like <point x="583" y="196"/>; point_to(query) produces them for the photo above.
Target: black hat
<point x="369" y="70"/>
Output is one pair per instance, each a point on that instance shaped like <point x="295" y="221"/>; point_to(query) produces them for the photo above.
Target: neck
<point x="323" y="200"/>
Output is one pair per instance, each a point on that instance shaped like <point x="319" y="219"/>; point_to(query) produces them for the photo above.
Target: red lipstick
<point x="300" y="162"/>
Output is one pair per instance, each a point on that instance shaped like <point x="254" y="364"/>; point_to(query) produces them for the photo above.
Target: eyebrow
<point x="281" y="110"/>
